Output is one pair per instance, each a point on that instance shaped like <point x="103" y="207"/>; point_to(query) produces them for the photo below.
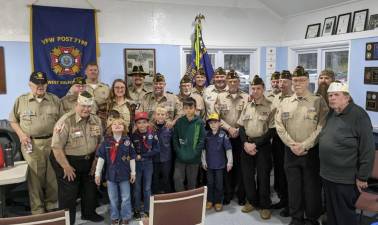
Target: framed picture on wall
<point x="360" y="19"/>
<point x="373" y="22"/>
<point x="3" y="84"/>
<point x="343" y="23"/>
<point x="313" y="30"/>
<point x="329" y="26"/>
<point x="140" y="57"/>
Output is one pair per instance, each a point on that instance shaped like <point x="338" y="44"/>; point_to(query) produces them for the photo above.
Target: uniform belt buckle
<point x="87" y="157"/>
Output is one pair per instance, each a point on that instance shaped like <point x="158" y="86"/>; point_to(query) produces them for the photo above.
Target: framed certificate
<point x="343" y="23"/>
<point x="313" y="30"/>
<point x="360" y="20"/>
<point x="329" y="26"/>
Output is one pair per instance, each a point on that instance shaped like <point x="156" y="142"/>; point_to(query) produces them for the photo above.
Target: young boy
<point x="217" y="147"/>
<point x="188" y="142"/>
<point x="146" y="146"/>
<point x="163" y="161"/>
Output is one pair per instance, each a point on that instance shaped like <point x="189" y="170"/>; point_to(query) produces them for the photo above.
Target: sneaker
<point x="137" y="215"/>
<point x="247" y="208"/>
<point x="124" y="222"/>
<point x="209" y="205"/>
<point x="115" y="222"/>
<point x="93" y="217"/>
<point x="218" y="207"/>
<point x="265" y="214"/>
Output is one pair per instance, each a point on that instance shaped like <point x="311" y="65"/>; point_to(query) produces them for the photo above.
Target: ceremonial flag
<point x="63" y="42"/>
<point x="200" y="57"/>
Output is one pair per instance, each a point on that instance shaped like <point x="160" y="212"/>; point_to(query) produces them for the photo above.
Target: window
<point x="309" y="61"/>
<point x="337" y="61"/>
<point x="240" y="63"/>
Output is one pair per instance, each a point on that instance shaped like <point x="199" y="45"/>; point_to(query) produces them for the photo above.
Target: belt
<point x="78" y="157"/>
<point x="42" y="137"/>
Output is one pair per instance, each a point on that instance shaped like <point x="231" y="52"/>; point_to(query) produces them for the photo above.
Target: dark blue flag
<point x="200" y="57"/>
<point x="63" y="43"/>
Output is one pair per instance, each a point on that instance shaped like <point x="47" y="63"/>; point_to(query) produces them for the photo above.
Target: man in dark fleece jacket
<point x="188" y="143"/>
<point x="346" y="151"/>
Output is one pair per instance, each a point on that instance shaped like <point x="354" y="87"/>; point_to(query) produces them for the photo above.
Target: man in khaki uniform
<point x="210" y="94"/>
<point x="278" y="147"/>
<point x="186" y="88"/>
<point x="33" y="117"/>
<point x="69" y="101"/>
<point x="159" y="97"/>
<point x="299" y="120"/>
<point x="274" y="82"/>
<point x="229" y="106"/>
<point x="76" y="137"/>
<point x="199" y="81"/>
<point x="255" y="120"/>
<point x="137" y="90"/>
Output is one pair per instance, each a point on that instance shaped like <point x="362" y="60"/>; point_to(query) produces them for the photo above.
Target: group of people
<point x="141" y="143"/>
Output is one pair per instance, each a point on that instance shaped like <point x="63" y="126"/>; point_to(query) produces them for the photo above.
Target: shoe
<point x="115" y="222"/>
<point x="323" y="219"/>
<point x="124" y="222"/>
<point x="265" y="214"/>
<point x="226" y="201"/>
<point x="146" y="214"/>
<point x="279" y="205"/>
<point x="247" y="208"/>
<point x="137" y="215"/>
<point x="241" y="202"/>
<point x="209" y="205"/>
<point x="218" y="207"/>
<point x="285" y="212"/>
<point x="93" y="217"/>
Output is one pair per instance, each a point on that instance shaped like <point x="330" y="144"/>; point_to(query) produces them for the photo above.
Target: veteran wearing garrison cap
<point x="76" y="137"/>
<point x="33" y="117"/>
<point x="162" y="98"/>
<point x="137" y="90"/>
<point x="186" y="88"/>
<point x="229" y="106"/>
<point x="211" y="92"/>
<point x="274" y="82"/>
<point x="254" y="123"/>
<point x="199" y="81"/>
<point x="299" y="120"/>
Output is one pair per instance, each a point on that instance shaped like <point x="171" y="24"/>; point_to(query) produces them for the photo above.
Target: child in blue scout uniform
<point x="163" y="161"/>
<point x="217" y="148"/>
<point x="146" y="146"/>
<point x="117" y="154"/>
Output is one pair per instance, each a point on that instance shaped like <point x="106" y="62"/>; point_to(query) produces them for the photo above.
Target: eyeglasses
<point x="119" y="87"/>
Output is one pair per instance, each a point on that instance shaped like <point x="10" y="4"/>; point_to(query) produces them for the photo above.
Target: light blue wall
<point x="263" y="63"/>
<point x="281" y="54"/>
<point x="17" y="66"/>
<point x="356" y="74"/>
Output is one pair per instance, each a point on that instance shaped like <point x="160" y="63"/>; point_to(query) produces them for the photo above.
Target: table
<point x="11" y="175"/>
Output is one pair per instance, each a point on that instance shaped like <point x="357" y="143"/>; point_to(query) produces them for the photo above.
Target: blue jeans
<point x="113" y="188"/>
<point x="215" y="185"/>
<point x="144" y="170"/>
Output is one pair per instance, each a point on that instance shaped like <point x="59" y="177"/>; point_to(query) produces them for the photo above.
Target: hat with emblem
<point x="138" y="70"/>
<point x="337" y="86"/>
<point x="257" y="81"/>
<point x="85" y="98"/>
<point x="219" y="71"/>
<point x="186" y="79"/>
<point x="213" y="116"/>
<point x="232" y="74"/>
<point x="275" y="76"/>
<point x="159" y="78"/>
<point x="300" y="72"/>
<point x="38" y="78"/>
<point x="79" y="80"/>
<point x="328" y="73"/>
<point x="141" y="116"/>
<point x="201" y="72"/>
<point x="285" y="74"/>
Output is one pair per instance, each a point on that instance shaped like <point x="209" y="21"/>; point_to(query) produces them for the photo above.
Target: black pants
<point x="215" y="185"/>
<point x="161" y="177"/>
<point x="83" y="184"/>
<point x="280" y="182"/>
<point x="303" y="180"/>
<point x="233" y="180"/>
<point x="258" y="193"/>
<point x="340" y="200"/>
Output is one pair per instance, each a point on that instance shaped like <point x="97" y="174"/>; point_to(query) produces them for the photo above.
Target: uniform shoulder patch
<point x="127" y="142"/>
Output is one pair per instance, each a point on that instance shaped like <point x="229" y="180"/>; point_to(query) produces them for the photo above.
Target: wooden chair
<point x="180" y="208"/>
<point x="52" y="218"/>
<point x="368" y="199"/>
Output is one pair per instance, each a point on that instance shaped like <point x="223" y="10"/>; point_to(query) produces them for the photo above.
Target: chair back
<point x="374" y="173"/>
<point x="52" y="218"/>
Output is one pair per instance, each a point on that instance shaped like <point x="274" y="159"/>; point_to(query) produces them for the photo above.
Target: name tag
<point x="285" y="115"/>
<point x="76" y="133"/>
<point x="94" y="130"/>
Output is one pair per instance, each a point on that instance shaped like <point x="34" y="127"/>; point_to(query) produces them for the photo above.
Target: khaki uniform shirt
<point x="276" y="103"/>
<point x="169" y="101"/>
<point x="137" y="96"/>
<point x="270" y="95"/>
<point x="200" y="110"/>
<point x="230" y="108"/>
<point x="124" y="110"/>
<point x="210" y="95"/>
<point x="256" y="117"/>
<point x="77" y="136"/>
<point x="300" y="119"/>
<point x="100" y="93"/>
<point x="36" y="119"/>
<point x="69" y="101"/>
<point x="198" y="91"/>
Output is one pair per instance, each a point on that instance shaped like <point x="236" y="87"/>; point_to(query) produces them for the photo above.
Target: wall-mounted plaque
<point x="372" y="101"/>
<point x="371" y="52"/>
<point x="371" y="75"/>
